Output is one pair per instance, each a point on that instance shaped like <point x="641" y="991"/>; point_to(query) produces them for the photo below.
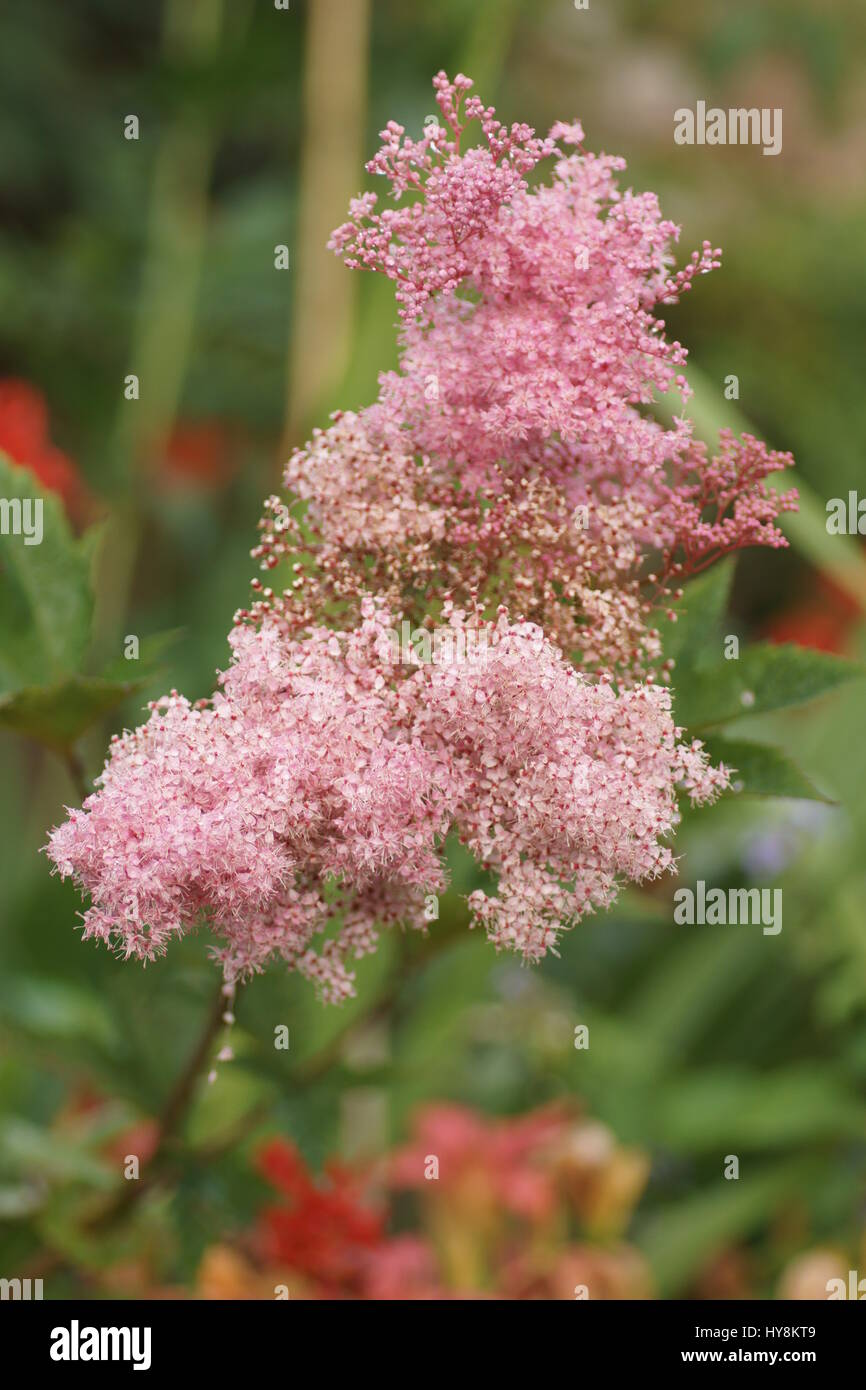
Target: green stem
<point x="174" y="1111"/>
<point x="324" y="293"/>
<point x="75" y="768"/>
<point x="165" y="314"/>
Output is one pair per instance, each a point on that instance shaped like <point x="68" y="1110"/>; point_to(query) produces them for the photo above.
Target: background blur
<point x="156" y="257"/>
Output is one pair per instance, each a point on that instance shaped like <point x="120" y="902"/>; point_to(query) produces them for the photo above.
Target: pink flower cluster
<point x="530" y="353"/>
<point x="509" y="479"/>
<point x="423" y="246"/>
<point x="318" y="784"/>
<point x="529" y="334"/>
<point x="377" y="519"/>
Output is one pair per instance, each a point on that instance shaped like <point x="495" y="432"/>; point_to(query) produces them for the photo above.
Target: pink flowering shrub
<point x="509" y="482"/>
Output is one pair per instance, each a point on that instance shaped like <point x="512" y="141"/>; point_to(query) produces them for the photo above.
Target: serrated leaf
<point x="46" y="602"/>
<point x="766" y="677"/>
<point x="761" y="769"/>
<point x="58" y="714"/>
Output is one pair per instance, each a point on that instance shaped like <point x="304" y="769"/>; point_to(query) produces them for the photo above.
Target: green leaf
<point x="55" y="1009"/>
<point x="766" y="677"/>
<point x="683" y="1236"/>
<point x="696" y="633"/>
<point x="682" y="997"/>
<point x="58" y="714"/>
<point x="46" y="602"/>
<point x="787" y="1107"/>
<point x="150" y="650"/>
<point x="20" y="1201"/>
<point x="38" y="1153"/>
<point x="761" y="769"/>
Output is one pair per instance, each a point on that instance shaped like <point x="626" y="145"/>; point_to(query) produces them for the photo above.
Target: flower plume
<point x="510" y="484"/>
<point x="318" y="784"/>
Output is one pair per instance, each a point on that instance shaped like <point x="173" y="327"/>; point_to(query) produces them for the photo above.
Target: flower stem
<point x="75" y="768"/>
<point x="173" y="1114"/>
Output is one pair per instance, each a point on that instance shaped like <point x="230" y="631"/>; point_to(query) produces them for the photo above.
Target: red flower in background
<point x="323" y="1232"/>
<point x="198" y="454"/>
<point x="498" y="1163"/>
<point x="822" y="621"/>
<point x="24" y="437"/>
<point x="403" y="1268"/>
